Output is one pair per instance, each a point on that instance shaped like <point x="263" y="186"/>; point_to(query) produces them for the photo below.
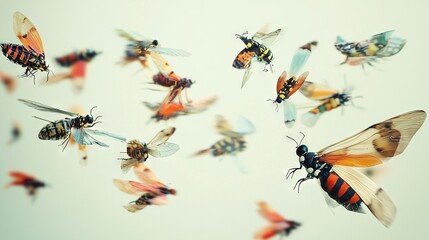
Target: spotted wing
<point x="161" y="137"/>
<point x="316" y="91"/>
<point x="289" y="113"/>
<point x="171" y="51"/>
<point x="83" y="138"/>
<point x="27" y="33"/>
<point x="162" y="64"/>
<point x="45" y="108"/>
<point x="267" y="39"/>
<point x="146" y="175"/>
<point x="269" y="214"/>
<point x="374" y="197"/>
<point x="375" y="144"/>
<point x="103" y="133"/>
<point x="300" y="58"/>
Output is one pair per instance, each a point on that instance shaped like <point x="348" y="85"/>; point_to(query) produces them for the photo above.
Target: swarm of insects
<point x="256" y="50"/>
<point x="30" y="183"/>
<point x="76" y="127"/>
<point x="333" y="165"/>
<point x="278" y="224"/>
<point x="150" y="190"/>
<point x="369" y="51"/>
<point x="30" y="54"/>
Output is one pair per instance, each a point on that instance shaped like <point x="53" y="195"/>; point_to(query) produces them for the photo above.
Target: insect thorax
<point x="313" y="165"/>
<point x="265" y="54"/>
<point x="135" y="149"/>
<point x="55" y="130"/>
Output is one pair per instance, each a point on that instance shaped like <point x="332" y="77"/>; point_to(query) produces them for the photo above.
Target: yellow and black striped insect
<point x="76" y="127"/>
<point x="30" y="54"/>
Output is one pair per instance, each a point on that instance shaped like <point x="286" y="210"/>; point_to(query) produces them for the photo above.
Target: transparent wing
<point x="374" y="197"/>
<point x="27" y="33"/>
<point x="162" y="64"/>
<point x="161" y="137"/>
<point x="316" y="91"/>
<point x="83" y="138"/>
<point x="152" y="106"/>
<point x="248" y="72"/>
<point x="244" y="126"/>
<point x="394" y="46"/>
<point x="171" y="51"/>
<point x="130" y="36"/>
<point x="309" y="119"/>
<point x="164" y="150"/>
<point x="45" y="108"/>
<point x="381" y="39"/>
<point x="299" y="59"/>
<point x="222" y="125"/>
<point x="103" y="133"/>
<point x="377" y="143"/>
<point x="127" y="164"/>
<point x="268" y="39"/>
<point x="289" y="113"/>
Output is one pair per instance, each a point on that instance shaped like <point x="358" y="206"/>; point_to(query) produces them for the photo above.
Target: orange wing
<point x="299" y="83"/>
<point x="268" y="213"/>
<point x="27" y="33"/>
<point x="316" y="91"/>
<point x="281" y="81"/>
<point x="146" y="175"/>
<point x="377" y="143"/>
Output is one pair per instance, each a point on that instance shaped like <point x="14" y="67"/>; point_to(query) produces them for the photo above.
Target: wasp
<point x="288" y="86"/>
<point x="139" y="46"/>
<point x="76" y="127"/>
<point x="85" y="55"/>
<point x="256" y="50"/>
<point x="279" y="224"/>
<point x="333" y="165"/>
<point x="30" y="183"/>
<point x="329" y="98"/>
<point x="369" y="51"/>
<point x="139" y="152"/>
<point x="30" y="54"/>
<point x="150" y="190"/>
<point x="8" y="81"/>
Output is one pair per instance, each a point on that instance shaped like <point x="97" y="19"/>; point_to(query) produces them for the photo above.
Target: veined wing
<point x="316" y="91"/>
<point x="27" y="33"/>
<point x="103" y="133"/>
<point x="161" y="137"/>
<point x="171" y="51"/>
<point x="164" y="150"/>
<point x="300" y="58"/>
<point x="267" y="39"/>
<point x="45" y="108"/>
<point x="289" y="113"/>
<point x="83" y="138"/>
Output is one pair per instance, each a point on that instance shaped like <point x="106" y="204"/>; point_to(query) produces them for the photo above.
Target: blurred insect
<point x="368" y="51"/>
<point x="82" y="148"/>
<point x="329" y="99"/>
<point x="77" y="61"/>
<point x="256" y="50"/>
<point x="150" y="191"/>
<point x="30" y="54"/>
<point x="279" y="224"/>
<point x="8" y="81"/>
<point x="286" y="87"/>
<point x="372" y="146"/>
<point x="30" y="183"/>
<point x="76" y="127"/>
<point x="16" y="133"/>
<point x="158" y="147"/>
<point x="139" y="46"/>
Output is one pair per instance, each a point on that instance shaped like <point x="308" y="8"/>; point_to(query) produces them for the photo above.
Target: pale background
<point x="215" y="200"/>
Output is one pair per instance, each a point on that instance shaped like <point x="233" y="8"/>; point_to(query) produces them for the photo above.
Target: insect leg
<point x="292" y="171"/>
<point x="300" y="181"/>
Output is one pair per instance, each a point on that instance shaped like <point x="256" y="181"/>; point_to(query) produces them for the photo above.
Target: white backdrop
<point x="215" y="200"/>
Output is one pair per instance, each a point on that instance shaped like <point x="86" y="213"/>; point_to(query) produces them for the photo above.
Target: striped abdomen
<point x="18" y="54"/>
<point x="163" y="80"/>
<point x="340" y="191"/>
<point x="72" y="58"/>
<point x="55" y="130"/>
<point x="228" y="145"/>
<point x="329" y="104"/>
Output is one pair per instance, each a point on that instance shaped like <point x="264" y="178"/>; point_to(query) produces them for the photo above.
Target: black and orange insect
<point x="278" y="224"/>
<point x="30" y="183"/>
<point x="30" y="54"/>
<point x="333" y="165"/>
<point x="8" y="81"/>
<point x="256" y="50"/>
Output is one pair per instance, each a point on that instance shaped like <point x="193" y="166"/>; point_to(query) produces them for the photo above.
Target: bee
<point x="139" y="152"/>
<point x="233" y="141"/>
<point x="76" y="127"/>
<point x="77" y="61"/>
<point x="150" y="190"/>
<point x="333" y="165"/>
<point x="286" y="87"/>
<point x="330" y="99"/>
<point x="368" y="51"/>
<point x="8" y="81"/>
<point x="30" y="183"/>
<point x="30" y="54"/>
<point x="279" y="224"/>
<point x="139" y="46"/>
<point x="256" y="50"/>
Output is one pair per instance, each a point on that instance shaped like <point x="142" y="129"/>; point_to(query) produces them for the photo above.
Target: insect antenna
<point x="274" y="101"/>
<point x="297" y="145"/>
<point x="303" y="136"/>
<point x="90" y="112"/>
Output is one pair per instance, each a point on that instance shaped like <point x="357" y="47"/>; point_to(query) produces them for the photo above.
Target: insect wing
<point x="394" y="46"/>
<point x="161" y="137"/>
<point x="298" y="83"/>
<point x="146" y="175"/>
<point x="316" y="91"/>
<point x="142" y="187"/>
<point x="375" y="144"/>
<point x="382" y="39"/>
<point x="243" y="58"/>
<point x="289" y="113"/>
<point x="45" y="108"/>
<point x="265" y="233"/>
<point x="164" y="150"/>
<point x="244" y="126"/>
<point x="27" y="33"/>
<point x="130" y="36"/>
<point x="299" y="59"/>
<point x="83" y="138"/>
<point x="222" y="125"/>
<point x="126" y="187"/>
<point x="171" y="52"/>
<point x="268" y="39"/>
<point x="247" y="74"/>
<point x="269" y="214"/>
<point x="162" y="64"/>
<point x="378" y="202"/>
<point x="103" y="133"/>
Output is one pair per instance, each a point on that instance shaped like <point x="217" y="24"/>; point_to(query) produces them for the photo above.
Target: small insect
<point x="30" y="183"/>
<point x="329" y="99"/>
<point x="333" y="165"/>
<point x="368" y="51"/>
<point x="30" y="54"/>
<point x="85" y="55"/>
<point x="139" y="46"/>
<point x="16" y="132"/>
<point x="158" y="147"/>
<point x="76" y="127"/>
<point x="8" y="81"/>
<point x="286" y="87"/>
<point x="279" y="224"/>
<point x="150" y="190"/>
<point x="256" y="50"/>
